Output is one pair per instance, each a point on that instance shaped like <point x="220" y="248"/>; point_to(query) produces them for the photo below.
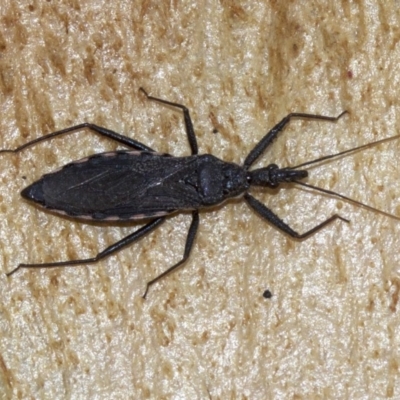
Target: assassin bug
<point x="142" y="184"/>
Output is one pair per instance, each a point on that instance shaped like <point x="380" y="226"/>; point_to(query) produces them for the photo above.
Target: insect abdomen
<point x="118" y="185"/>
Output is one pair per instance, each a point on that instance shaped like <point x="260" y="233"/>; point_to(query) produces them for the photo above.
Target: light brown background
<point x="332" y="328"/>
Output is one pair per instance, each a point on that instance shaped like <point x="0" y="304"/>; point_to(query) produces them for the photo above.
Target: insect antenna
<point x="341" y="196"/>
<point x="342" y="153"/>
<point x="349" y="199"/>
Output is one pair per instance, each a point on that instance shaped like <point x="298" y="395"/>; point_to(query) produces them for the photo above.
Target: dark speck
<point x="267" y="294"/>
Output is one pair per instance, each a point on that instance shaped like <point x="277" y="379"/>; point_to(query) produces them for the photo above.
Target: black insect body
<point x="137" y="185"/>
<point x="143" y="184"/>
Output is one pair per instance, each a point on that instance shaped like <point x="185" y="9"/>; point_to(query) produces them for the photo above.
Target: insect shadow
<point x="142" y="184"/>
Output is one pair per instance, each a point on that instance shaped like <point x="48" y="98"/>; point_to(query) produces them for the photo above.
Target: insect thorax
<point x="219" y="180"/>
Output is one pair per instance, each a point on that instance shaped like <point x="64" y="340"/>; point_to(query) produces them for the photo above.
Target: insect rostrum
<point x="141" y="184"/>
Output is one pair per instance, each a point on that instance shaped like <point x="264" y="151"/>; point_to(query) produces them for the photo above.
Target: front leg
<point x="273" y="133"/>
<point x="269" y="216"/>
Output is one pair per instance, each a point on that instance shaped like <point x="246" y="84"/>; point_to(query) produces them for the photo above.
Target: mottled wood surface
<point x="332" y="327"/>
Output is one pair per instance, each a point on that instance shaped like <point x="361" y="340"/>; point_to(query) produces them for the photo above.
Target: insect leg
<point x="273" y="133"/>
<point x="133" y="237"/>
<point x="188" y="121"/>
<point x="188" y="247"/>
<point x="98" y="129"/>
<point x="268" y="215"/>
